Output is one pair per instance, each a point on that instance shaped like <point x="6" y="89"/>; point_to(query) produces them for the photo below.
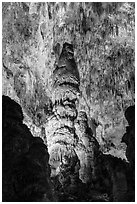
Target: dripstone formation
<point x="114" y="176"/>
<point x="73" y="149"/>
<point x="60" y="130"/>
<point x="67" y="99"/>
<point x="25" y="168"/>
<point x="61" y="136"/>
<point x="87" y="148"/>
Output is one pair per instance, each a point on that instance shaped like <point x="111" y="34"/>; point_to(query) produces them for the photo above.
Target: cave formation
<point x="68" y="104"/>
<point x="25" y="168"/>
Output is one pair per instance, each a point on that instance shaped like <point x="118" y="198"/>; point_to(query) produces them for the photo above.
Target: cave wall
<point x="103" y="36"/>
<point x="25" y="159"/>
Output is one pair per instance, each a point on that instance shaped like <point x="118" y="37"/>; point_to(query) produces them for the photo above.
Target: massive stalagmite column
<point x="60" y="131"/>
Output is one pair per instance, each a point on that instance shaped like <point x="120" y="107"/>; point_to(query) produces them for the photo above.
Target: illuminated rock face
<point x="87" y="148"/>
<point x="105" y="59"/>
<point x="66" y="79"/>
<point x="68" y="133"/>
<point x="60" y="131"/>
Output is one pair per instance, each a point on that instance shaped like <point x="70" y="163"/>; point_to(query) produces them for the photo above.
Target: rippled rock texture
<point x="25" y="168"/>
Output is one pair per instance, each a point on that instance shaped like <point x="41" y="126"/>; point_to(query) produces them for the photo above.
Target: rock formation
<point x="31" y="93"/>
<point x="25" y="168"/>
<point x="111" y="178"/>
<point x="129" y="139"/>
<point x="103" y="37"/>
<point x="114" y="176"/>
<point x="129" y="136"/>
<point x="46" y="81"/>
<point x="87" y="148"/>
<point x="60" y="131"/>
<point x="73" y="148"/>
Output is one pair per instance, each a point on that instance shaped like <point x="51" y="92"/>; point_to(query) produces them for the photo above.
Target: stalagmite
<point x="61" y="136"/>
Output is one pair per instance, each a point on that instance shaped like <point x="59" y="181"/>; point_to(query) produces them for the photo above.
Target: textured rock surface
<point x="87" y="148"/>
<point x="25" y="168"/>
<point x="129" y="139"/>
<point x="62" y="139"/>
<point x="129" y="136"/>
<point x="103" y="37"/>
<point x="112" y="178"/>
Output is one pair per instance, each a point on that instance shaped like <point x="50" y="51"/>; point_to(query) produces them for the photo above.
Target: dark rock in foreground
<point x="26" y="173"/>
<point x="129" y="139"/>
<point x="25" y="169"/>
